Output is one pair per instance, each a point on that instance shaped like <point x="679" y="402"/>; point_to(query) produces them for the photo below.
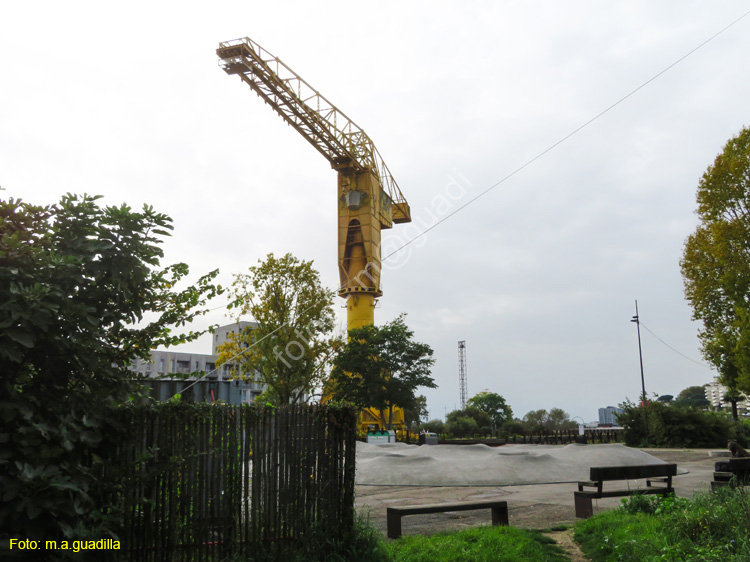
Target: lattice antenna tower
<point x="462" y="371"/>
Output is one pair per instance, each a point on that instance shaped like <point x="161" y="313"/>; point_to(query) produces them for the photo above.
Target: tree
<point x="693" y="397"/>
<point x="381" y="367"/>
<point x="292" y="345"/>
<point x="558" y="419"/>
<point x="434" y="426"/>
<point x="536" y="420"/>
<point x="716" y="263"/>
<point x="662" y="425"/>
<point x="462" y="426"/>
<point x="732" y="397"/>
<point x="459" y="422"/>
<point x="493" y="405"/>
<point x="413" y="416"/>
<point x="75" y="279"/>
<point x="542" y="420"/>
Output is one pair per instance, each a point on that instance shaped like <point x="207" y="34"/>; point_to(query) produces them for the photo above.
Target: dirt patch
<point x="564" y="540"/>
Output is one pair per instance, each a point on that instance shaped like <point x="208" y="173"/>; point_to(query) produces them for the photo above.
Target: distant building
<point x="608" y="415"/>
<point x="715" y="392"/>
<point x="170" y="369"/>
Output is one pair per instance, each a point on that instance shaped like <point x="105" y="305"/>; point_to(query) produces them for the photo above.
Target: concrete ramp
<point x="398" y="464"/>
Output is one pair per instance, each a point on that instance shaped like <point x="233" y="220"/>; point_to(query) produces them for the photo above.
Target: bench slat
<point x="741" y="464"/>
<point x="632" y="472"/>
<point x="652" y="473"/>
<point x="618" y="493"/>
<point x="445" y="507"/>
<point x="499" y="511"/>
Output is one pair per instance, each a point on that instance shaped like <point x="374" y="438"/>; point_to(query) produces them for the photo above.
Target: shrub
<point x="462" y="426"/>
<point x="74" y="279"/>
<point x="711" y="527"/>
<point x="434" y="426"/>
<point x="662" y="425"/>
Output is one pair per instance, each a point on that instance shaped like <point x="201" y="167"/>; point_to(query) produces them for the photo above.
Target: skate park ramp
<point x="399" y="464"/>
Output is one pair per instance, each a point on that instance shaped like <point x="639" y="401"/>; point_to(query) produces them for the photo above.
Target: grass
<point x="480" y="544"/>
<point x="366" y="544"/>
<point x="712" y="527"/>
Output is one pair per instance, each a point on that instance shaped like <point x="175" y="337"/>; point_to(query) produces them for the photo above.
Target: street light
<point x="637" y="321"/>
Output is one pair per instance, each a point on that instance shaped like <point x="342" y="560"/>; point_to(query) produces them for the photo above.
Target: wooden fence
<point x="212" y="482"/>
<point x="568" y="436"/>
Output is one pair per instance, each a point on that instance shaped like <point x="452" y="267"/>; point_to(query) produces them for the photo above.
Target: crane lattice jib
<point x="327" y="128"/>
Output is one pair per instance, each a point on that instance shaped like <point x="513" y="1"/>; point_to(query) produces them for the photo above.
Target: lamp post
<point x="637" y="321"/>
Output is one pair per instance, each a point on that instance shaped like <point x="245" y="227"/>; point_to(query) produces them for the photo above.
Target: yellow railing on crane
<point x="327" y="128"/>
<point x="369" y="199"/>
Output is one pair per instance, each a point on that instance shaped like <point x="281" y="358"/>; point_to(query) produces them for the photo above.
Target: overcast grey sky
<point x="539" y="276"/>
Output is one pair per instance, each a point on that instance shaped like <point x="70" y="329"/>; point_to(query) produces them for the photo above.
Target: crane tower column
<point x="369" y="199"/>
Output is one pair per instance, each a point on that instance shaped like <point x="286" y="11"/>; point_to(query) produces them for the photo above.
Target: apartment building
<point x="171" y="367"/>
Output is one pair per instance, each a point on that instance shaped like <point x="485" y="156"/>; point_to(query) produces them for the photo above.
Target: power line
<point x="527" y="164"/>
<point x="569" y="135"/>
<point x="672" y="348"/>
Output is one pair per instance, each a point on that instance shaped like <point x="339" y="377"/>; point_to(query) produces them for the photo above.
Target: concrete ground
<point x="531" y="506"/>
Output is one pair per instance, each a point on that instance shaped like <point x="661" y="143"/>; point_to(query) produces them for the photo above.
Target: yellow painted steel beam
<point x="368" y="197"/>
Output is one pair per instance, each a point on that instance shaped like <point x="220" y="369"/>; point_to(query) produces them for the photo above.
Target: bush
<point x="462" y="427"/>
<point x="662" y="425"/>
<point x="712" y="527"/>
<point x="74" y="279"/>
<point x="364" y="544"/>
<point x="434" y="426"/>
<point x="513" y="428"/>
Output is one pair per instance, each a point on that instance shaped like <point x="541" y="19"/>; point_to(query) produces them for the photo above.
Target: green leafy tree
<point x="716" y="263"/>
<point x="434" y="426"/>
<point x="493" y="405"/>
<point x="662" y="425"/>
<point x="732" y="397"/>
<point x="693" y="397"/>
<point x="462" y="426"/>
<point x="413" y="416"/>
<point x="542" y="420"/>
<point x="482" y="421"/>
<point x="82" y="295"/>
<point x="536" y="420"/>
<point x="514" y="427"/>
<point x="382" y="367"/>
<point x="292" y="345"/>
<point x="559" y="419"/>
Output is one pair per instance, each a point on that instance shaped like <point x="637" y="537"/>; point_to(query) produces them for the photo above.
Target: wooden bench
<point x="394" y="514"/>
<point x="653" y="473"/>
<point x="737" y="473"/>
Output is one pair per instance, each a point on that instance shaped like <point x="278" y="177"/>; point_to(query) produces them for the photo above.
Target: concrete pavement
<point x="536" y="505"/>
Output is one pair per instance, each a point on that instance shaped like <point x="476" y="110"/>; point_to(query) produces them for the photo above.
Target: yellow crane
<point x="369" y="199"/>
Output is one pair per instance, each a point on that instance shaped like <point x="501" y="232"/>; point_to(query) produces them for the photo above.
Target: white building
<point x="192" y="366"/>
<point x="715" y="392"/>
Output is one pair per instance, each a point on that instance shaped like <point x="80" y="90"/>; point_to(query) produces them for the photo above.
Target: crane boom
<point x="344" y="144"/>
<point x="368" y="197"/>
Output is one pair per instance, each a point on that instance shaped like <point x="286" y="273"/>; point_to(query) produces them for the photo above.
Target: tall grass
<point x="711" y="527"/>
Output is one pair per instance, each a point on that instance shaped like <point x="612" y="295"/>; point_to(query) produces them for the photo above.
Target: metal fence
<point x="213" y="482"/>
